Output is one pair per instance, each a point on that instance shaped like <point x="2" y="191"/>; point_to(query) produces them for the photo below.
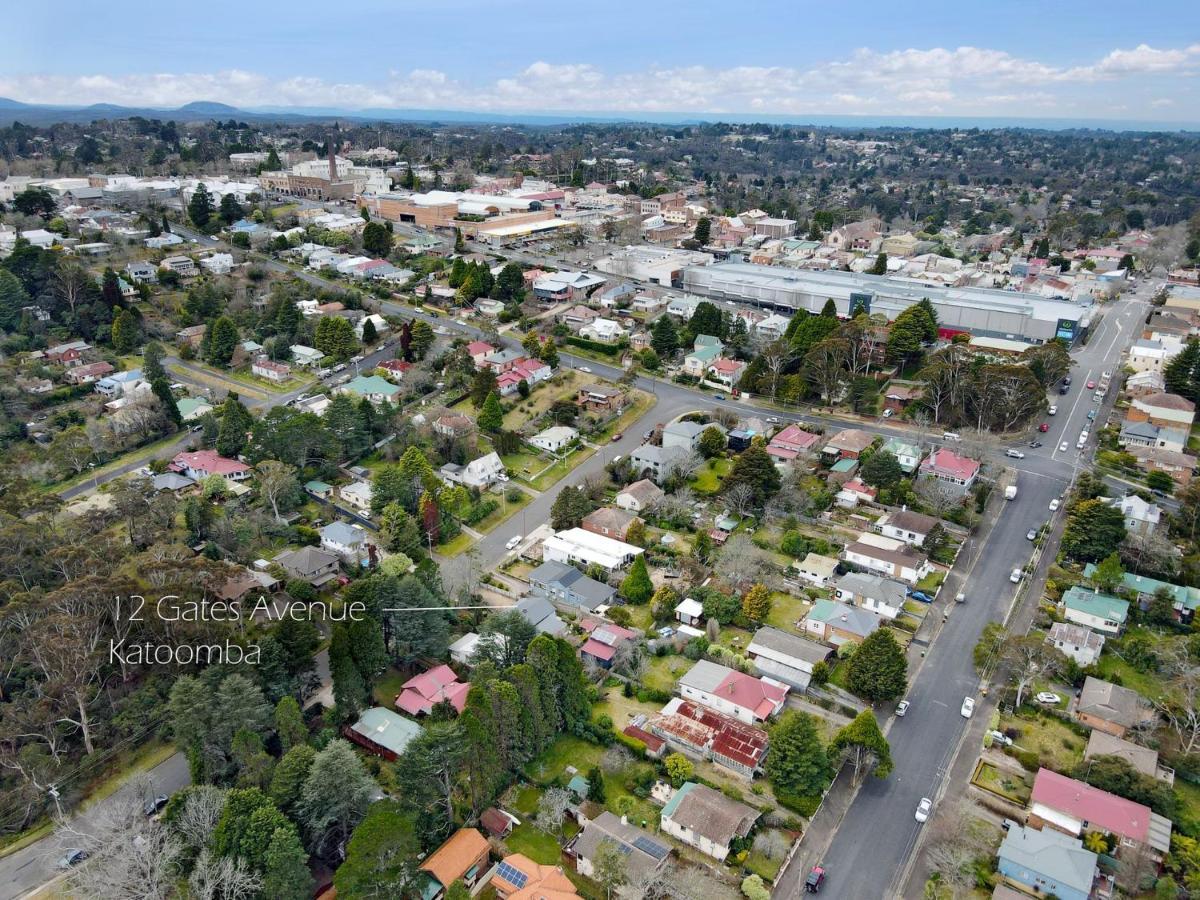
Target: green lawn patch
<point x="526" y="802"/>
<point x="1112" y="667"/>
<point x="559" y="470"/>
<point x="931" y="582"/>
<point x="916" y="607"/>
<point x="762" y="866"/>
<point x="786" y="611"/>
<point x="568" y="750"/>
<point x="387" y="686"/>
<point x="506" y="510"/>
<point x="840" y="676"/>
<point x="1004" y="784"/>
<point x="456" y="545"/>
<point x="1057" y="745"/>
<point x="536" y="844"/>
<point x="708" y="477"/>
<point x="663" y="672"/>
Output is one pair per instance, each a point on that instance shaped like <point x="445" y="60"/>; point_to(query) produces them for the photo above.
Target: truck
<point x="1010" y="492"/>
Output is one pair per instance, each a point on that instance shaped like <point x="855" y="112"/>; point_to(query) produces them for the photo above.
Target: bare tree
<point x="222" y="878"/>
<point x="71" y="284"/>
<point x="740" y="498"/>
<point x="740" y="561"/>
<point x="938" y="495"/>
<point x="776" y="356"/>
<point x="695" y="883"/>
<point x="684" y="465"/>
<point x="275" y="481"/>
<point x="552" y="810"/>
<point x="825" y="368"/>
<point x="198" y="818"/>
<point x="1180" y="706"/>
<point x="630" y="659"/>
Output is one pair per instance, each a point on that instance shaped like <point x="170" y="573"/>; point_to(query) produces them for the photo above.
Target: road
<point x="925" y="742"/>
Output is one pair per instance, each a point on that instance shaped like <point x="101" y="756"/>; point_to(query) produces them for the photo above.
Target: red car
<point x="1043" y="427"/>
<point x="1091" y="384"/>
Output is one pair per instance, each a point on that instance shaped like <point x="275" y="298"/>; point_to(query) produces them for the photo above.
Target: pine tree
<point x="289" y="723"/>
<point x="272" y="164"/>
<point x="369" y="334"/>
<point x="756" y="604"/>
<point x="286" y="875"/>
<point x="663" y="337"/>
<point x="336" y="795"/>
<point x="422" y="338"/>
<point x="110" y="289"/>
<point x="235" y="422"/>
<point x="224" y="341"/>
<point x="349" y="689"/>
<point x="162" y="390"/>
<point x="287" y="781"/>
<point x="637" y="587"/>
<point x="881" y="265"/>
<point x="862" y="745"/>
<point x="13" y="298"/>
<point x="230" y="210"/>
<point x="483" y="386"/>
<point x="755" y="468"/>
<point x="491" y="417"/>
<point x="152" y="357"/>
<point x="549" y="353"/>
<point x="200" y="208"/>
<point x="124" y="332"/>
<point x="703" y="231"/>
<point x="879" y="669"/>
<point x="798" y="764"/>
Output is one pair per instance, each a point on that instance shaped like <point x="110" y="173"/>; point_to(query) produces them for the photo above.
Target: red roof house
<point x="946" y="465"/>
<point x="420" y="694"/>
<point x="479" y="351"/>
<point x="723" y="739"/>
<point x="604" y="639"/>
<point x="203" y="463"/>
<point x="791" y="442"/>
<point x="1074" y="807"/>
<point x="732" y="693"/>
<point x="396" y="367"/>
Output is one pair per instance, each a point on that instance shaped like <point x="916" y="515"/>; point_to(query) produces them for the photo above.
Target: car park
<point x="1015" y="576"/>
<point x="923" y="809"/>
<point x="1049" y="698"/>
<point x="967" y="708"/>
<point x="902" y="707"/>
<point x="1031" y="534"/>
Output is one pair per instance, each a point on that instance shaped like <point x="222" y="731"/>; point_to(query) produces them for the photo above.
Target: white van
<point x="950" y="436"/>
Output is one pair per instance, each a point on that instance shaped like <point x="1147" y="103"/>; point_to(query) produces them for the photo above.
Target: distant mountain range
<point x="45" y="114"/>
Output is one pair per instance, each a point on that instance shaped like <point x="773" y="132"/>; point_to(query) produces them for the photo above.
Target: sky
<point x="1056" y="60"/>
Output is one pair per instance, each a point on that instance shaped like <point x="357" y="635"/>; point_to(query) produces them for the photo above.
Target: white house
<point x="272" y="371"/>
<point x="1079" y="643"/>
<point x="640" y="496"/>
<point x="478" y="473"/>
<point x="183" y="266"/>
<point x="887" y="556"/>
<point x="306" y="356"/>
<point x="357" y="494"/>
<point x="217" y="264"/>
<point x="606" y="331"/>
<point x="880" y="595"/>
<point x="555" y="438"/>
<point x="689" y="611"/>
<point x="816" y="569"/>
<point x="733" y="693"/>
<point x="1141" y="518"/>
<point x="685" y="434"/>
<point x="907" y="526"/>
<point x="463" y="649"/>
<point x="379" y="322"/>
<point x="347" y="541"/>
<point x="575" y="545"/>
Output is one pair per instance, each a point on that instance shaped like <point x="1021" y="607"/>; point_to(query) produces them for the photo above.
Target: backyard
<point x="1056" y="743"/>
<point x="707" y="479"/>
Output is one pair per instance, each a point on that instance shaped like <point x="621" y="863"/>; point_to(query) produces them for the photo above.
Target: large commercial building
<point x="982" y="311"/>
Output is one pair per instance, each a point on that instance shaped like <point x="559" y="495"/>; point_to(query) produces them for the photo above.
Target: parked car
<point x="1031" y="534"/>
<point x="921" y="596"/>
<point x="816" y="878"/>
<point x="1035" y="444"/>
<point x="1091" y="384"/>
<point x="1049" y="698"/>
<point x="1015" y="454"/>
<point x="968" y="707"/>
<point x="1015" y="576"/>
<point x="923" y="809"/>
<point x="960" y="597"/>
<point x="999" y="737"/>
<point x="1064" y="447"/>
<point x="1055" y="504"/>
<point x="512" y="542"/>
<point x="1064" y="389"/>
<point x="152" y="805"/>
<point x="616" y="437"/>
<point x="585" y="369"/>
<point x="902" y="707"/>
<point x="887" y="413"/>
<point x="1053" y="410"/>
<point x="72" y="857"/>
<point x="1044" y="427"/>
<point x="773" y="420"/>
<point x="1091" y="415"/>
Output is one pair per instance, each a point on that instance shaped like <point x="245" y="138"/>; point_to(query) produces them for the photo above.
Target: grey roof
<point x="907" y="520"/>
<point x="1111" y="702"/>
<point x="1143" y="759"/>
<point x="305" y="561"/>
<point x="710" y="813"/>
<point x="687" y="429"/>
<point x="1140" y="429"/>
<point x="171" y="481"/>
<point x="705" y="676"/>
<point x="861" y="584"/>
<point x="539" y="612"/>
<point x="649" y="454"/>
<point x="789" y="644"/>
<point x="1051" y="854"/>
<point x="641" y="857"/>
<point x="586" y="592"/>
<point x="341" y="533"/>
<point x="1079" y="635"/>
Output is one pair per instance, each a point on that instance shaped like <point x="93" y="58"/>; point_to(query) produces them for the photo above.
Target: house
<point x="604" y="641"/>
<point x="703" y="733"/>
<point x="173" y="482"/>
<point x="306" y="356"/>
<point x="479" y="351"/>
<point x="947" y="466"/>
<point x="347" y="541"/>
<point x="1141" y="759"/>
<point x="882" y="596"/>
<point x="908" y="455"/>
<point x="453" y="425"/>
<point x="706" y="350"/>
<point x="689" y="611"/>
<point x="1184" y="599"/>
<point x="1150" y="356"/>
<point x="733" y="693"/>
<point x="641" y="496"/>
<point x="899" y="395"/>
<point x="378" y="322"/>
<point x="577" y="546"/>
<point x="785" y="657"/>
<point x="217" y="264"/>
<point x="192" y="408"/>
<point x="740" y="439"/>
<point x="685" y="435"/>
<point x="465" y="855"/>
<point x="1141" y="518"/>
<point x="500" y="361"/>
<point x="1180" y="466"/>
<point x="518" y="877"/>
<point x="183" y="266"/>
<point x="1080" y="644"/>
<point x="791" y="442"/>
<point x="706" y="819"/>
<point x="1146" y="434"/>
<point x="1094" y="610"/>
<point x="840" y="623"/>
<point x="816" y="569"/>
<point x="464" y="648"/>
<point x="374" y="388"/>
<point x="725" y="372"/>
<point x="319" y="489"/>
<point x="555" y="438"/>
<point x="309" y="564"/>
<point x="1165" y="410"/>
<point x="395" y="368"/>
<point x="121" y="384"/>
<point x="656" y="463"/>
<point x="1143" y="383"/>
<point x="203" y="463"/>
<point x="565" y="584"/>
<point x="142" y="272"/>
<point x="421" y="693"/>
<point x="849" y="443"/>
<point x="67" y="355"/>
<point x="87" y="374"/>
<point x="606" y="331"/>
<point x="1104" y="706"/>
<point x="905" y="525"/>
<point x="382" y="732"/>
<point x="601" y="398"/>
<point x="1074" y="808"/>
<point x="272" y="371"/>
<point x="609" y="522"/>
<point x="162" y="241"/>
<point x="357" y="494"/>
<point x="772" y="327"/>
<point x="539" y="612"/>
<point x="563" y="287"/>
<point x="1048" y="863"/>
<point x="478" y="473"/>
<point x="644" y="854"/>
<point x="887" y="556"/>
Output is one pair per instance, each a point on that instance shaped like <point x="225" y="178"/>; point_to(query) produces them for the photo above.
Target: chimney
<point x="332" y="160"/>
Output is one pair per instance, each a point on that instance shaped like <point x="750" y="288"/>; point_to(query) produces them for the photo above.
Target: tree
<point x="110" y="289"/>
<point x="1026" y="658"/>
<point x="349" y="686"/>
<point x="200" y="208"/>
<point x="235" y="422"/>
<point x="906" y="336"/>
<point x="289" y="777"/>
<point x="491" y="417"/>
<point x="703" y="231"/>
<point x="754" y="467"/>
<point x="285" y="873"/>
<point x="1093" y="531"/>
<point x="1109" y="573"/>
<point x="880" y="265"/>
<point x="862" y="746"/>
<point x="1160" y="481"/>
<point x="552" y="810"/>
<point x="663" y="336"/>
<point x="161" y="389"/>
<point x="289" y="723"/>
<point x="124" y="332"/>
<point x="13" y="299"/>
<point x="383" y="856"/>
<point x="504" y="638"/>
<point x="34" y="201"/>
<point x="335" y="796"/>
<point x="825" y="367"/>
<point x="679" y="769"/>
<point x="879" y="669"/>
<point x="608" y="866"/>
<point x="712" y="442"/>
<point x="882" y="469"/>
<point x="229" y="209"/>
<point x="399" y="530"/>
<point x="637" y="587"/>
<point x="756" y="604"/>
<point x="483" y="386"/>
<point x="798" y="764"/>
<point x="276" y="484"/>
<point x="422" y="338"/>
<point x="334" y="336"/>
<point x="223" y="341"/>
<point x="376" y="238"/>
<point x="809" y="331"/>
<point x="706" y="320"/>
<point x="570" y="506"/>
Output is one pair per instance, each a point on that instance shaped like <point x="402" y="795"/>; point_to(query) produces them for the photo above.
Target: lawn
<point x="387" y="686"/>
<point x="561" y="387"/>
<point x="931" y="582"/>
<point x="1146" y="684"/>
<point x="536" y="844"/>
<point x="1004" y="784"/>
<point x="526" y="802"/>
<point x="456" y="545"/>
<point x="507" y="508"/>
<point x="735" y="639"/>
<point x="568" y="750"/>
<point x="840" y="676"/>
<point x="663" y="671"/>
<point x="622" y="709"/>
<point x="1055" y="743"/>
<point x="764" y="867"/>
<point x="707" y="479"/>
<point x="786" y="611"/>
<point x="553" y="473"/>
<point x="522" y="463"/>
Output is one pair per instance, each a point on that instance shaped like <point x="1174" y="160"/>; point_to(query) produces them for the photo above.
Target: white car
<point x="1000" y="738"/>
<point x="585" y="369"/>
<point x="512" y="542"/>
<point x="1031" y="534"/>
<point x="1053" y="410"/>
<point x="1055" y="504"/>
<point x="923" y="809"/>
<point x="1049" y="698"/>
<point x="1015" y="454"/>
<point x="1063" y="447"/>
<point x="902" y="707"/>
<point x="887" y="413"/>
<point x="968" y="707"/>
<point x="1015" y="576"/>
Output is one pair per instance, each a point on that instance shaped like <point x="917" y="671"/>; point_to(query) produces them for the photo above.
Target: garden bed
<point x="1005" y="785"/>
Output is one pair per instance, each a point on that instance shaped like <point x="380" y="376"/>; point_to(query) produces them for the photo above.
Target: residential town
<point x="594" y="510"/>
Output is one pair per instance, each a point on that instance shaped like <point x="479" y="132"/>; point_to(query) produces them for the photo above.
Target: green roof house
<point x="1184" y="599"/>
<point x="373" y="387"/>
<point x="1094" y="610"/>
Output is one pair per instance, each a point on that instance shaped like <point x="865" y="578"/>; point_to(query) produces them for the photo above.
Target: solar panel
<point x="658" y="851"/>
<point x="512" y="875"/>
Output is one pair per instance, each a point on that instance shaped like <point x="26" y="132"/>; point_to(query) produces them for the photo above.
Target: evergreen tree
<point x="1182" y="374"/>
<point x="756" y="604"/>
<point x="349" y="688"/>
<point x="382" y="858"/>
<point x="285" y="873"/>
<point x="703" y="231"/>
<point x="200" y="208"/>
<point x="272" y="164"/>
<point x="798" y="765"/>
<point x="637" y="587"/>
<point x="336" y="795"/>
<point x="882" y="469"/>
<point x="224" y="341"/>
<point x="422" y="338"/>
<point x="291" y="772"/>
<point x="663" y="337"/>
<point x="881" y="265"/>
<point x="162" y="390"/>
<point x="376" y="239"/>
<point x="878" y="668"/>
<point x="706" y="320"/>
<point x="230" y="210"/>
<point x="755" y="468"/>
<point x="289" y="723"/>
<point x="483" y="387"/>
<point x="570" y="506"/>
<point x="124" y="332"/>
<point x="549" y="353"/>
<point x="110" y="289"/>
<point x="862" y="745"/>
<point x="1094" y="530"/>
<point x="399" y="531"/>
<point x="491" y="417"/>
<point x="13" y="298"/>
<point x="152" y="357"/>
<point x="829" y="310"/>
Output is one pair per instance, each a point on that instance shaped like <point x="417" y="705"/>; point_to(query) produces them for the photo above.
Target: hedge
<point x="630" y="743"/>
<point x="596" y="346"/>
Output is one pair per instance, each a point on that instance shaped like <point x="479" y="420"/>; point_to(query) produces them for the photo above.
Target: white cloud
<point x="962" y="80"/>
